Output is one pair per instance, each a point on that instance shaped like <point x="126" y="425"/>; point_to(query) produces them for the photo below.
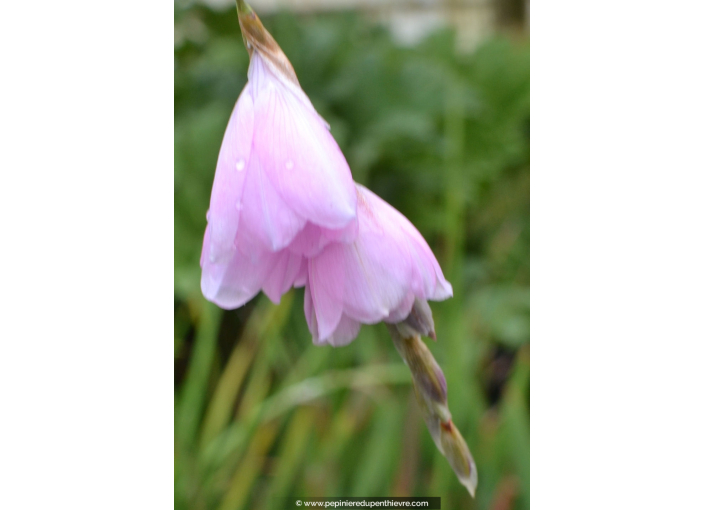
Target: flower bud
<point x="419" y="320"/>
<point x="431" y="392"/>
<point x="455" y="450"/>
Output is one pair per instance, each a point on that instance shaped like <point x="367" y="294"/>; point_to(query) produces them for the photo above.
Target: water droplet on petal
<point x="207" y="215"/>
<point x="239" y="165"/>
<point x="289" y="164"/>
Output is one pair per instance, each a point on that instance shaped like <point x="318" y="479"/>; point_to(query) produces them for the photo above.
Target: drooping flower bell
<point x="376" y="278"/>
<point x="279" y="172"/>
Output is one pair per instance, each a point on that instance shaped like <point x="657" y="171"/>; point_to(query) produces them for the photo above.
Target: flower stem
<point x="431" y="393"/>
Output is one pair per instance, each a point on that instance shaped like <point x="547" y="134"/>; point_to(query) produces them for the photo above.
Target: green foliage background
<point x="261" y="412"/>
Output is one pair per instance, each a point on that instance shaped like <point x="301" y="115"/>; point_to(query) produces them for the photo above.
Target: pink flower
<point x="283" y="212"/>
<point x="280" y="175"/>
<point x="375" y="278"/>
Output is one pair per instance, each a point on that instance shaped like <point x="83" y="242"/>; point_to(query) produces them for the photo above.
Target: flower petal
<point x="231" y="282"/>
<point x="233" y="160"/>
<point x="299" y="154"/>
<point x="309" y="241"/>
<point x="283" y="275"/>
<point x="309" y="310"/>
<point x="312" y="239"/>
<point x="327" y="284"/>
<point x="302" y="277"/>
<point x="347" y="329"/>
<point x="402" y="310"/>
<point x="376" y="272"/>
<point x="346" y="234"/>
<point x="428" y="281"/>
<point x="263" y="213"/>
